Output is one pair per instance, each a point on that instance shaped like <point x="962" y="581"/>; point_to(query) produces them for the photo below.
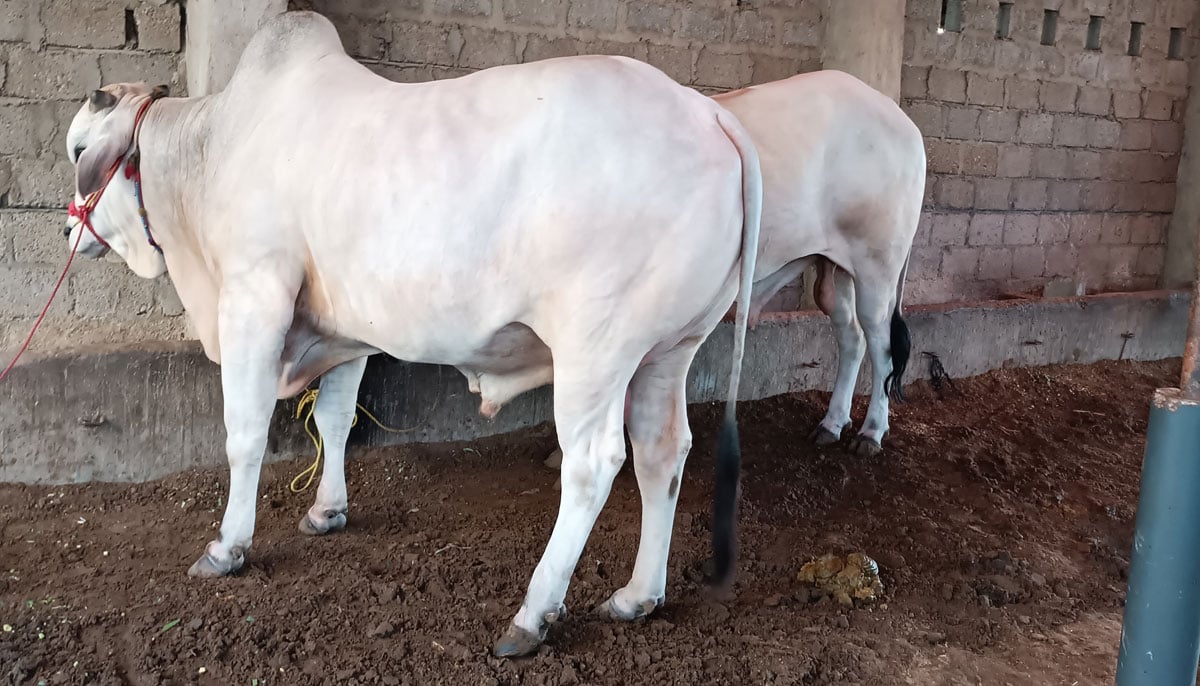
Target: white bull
<point x="582" y="221"/>
<point x="843" y="184"/>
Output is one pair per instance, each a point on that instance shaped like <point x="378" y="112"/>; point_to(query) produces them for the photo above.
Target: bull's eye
<point x="79" y="152"/>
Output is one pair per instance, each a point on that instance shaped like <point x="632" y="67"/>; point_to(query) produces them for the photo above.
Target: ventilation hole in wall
<point x="1004" y="21"/>
<point x="951" y="19"/>
<point x="1049" y="27"/>
<point x="1135" y="38"/>
<point x="1175" y="46"/>
<point x="131" y="30"/>
<point x="1095" y="24"/>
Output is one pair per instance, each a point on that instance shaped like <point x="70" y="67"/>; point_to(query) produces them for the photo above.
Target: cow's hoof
<point x="209" y="567"/>
<point x="821" y="436"/>
<point x="554" y="461"/>
<point x="332" y="521"/>
<point x="865" y="446"/>
<point x="518" y="642"/>
<point x="614" y="608"/>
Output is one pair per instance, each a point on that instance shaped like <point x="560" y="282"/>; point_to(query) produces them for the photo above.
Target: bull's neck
<point x="171" y="148"/>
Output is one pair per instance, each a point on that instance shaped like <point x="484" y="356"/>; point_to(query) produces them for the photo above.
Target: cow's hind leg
<point x="850" y="350"/>
<point x="659" y="434"/>
<point x="875" y="301"/>
<point x="588" y="414"/>
<point x="334" y="413"/>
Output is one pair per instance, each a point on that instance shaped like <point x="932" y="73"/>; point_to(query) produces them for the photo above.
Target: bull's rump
<point x="435" y="214"/>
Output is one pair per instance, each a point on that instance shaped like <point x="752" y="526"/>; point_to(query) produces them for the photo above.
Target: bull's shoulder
<point x="285" y="40"/>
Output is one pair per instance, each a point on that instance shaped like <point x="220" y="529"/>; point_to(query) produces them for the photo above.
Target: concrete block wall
<point x="52" y="53"/>
<point x="1046" y="162"/>
<point x="710" y="44"/>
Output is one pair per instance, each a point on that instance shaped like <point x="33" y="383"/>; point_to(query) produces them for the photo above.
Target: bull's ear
<point x="101" y="100"/>
<point x="160" y="91"/>
<point x="94" y="163"/>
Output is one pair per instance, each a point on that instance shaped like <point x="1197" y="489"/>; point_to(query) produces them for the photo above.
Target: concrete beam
<point x="1179" y="271"/>
<point x="217" y="32"/>
<point x="866" y="39"/>
<point x="139" y="413"/>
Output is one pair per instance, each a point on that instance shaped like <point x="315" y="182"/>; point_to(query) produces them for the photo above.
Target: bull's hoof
<point x="612" y="608"/>
<point x="209" y="567"/>
<point x="518" y="642"/>
<point x="554" y="461"/>
<point x="865" y="446"/>
<point x="821" y="436"/>
<point x="332" y="521"/>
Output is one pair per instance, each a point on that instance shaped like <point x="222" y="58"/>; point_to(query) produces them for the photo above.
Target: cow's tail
<point x="900" y="344"/>
<point x="729" y="452"/>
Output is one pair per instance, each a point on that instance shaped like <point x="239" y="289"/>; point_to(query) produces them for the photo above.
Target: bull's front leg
<point x="253" y="318"/>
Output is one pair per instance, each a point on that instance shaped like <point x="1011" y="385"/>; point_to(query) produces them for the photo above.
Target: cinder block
<point x="470" y="8"/>
<point x="986" y="229"/>
<point x="1156" y="105"/>
<point x="1150" y="260"/>
<point x="947" y="85"/>
<point x="924" y="263"/>
<point x="45" y="181"/>
<point x="949" y="229"/>
<point x="1147" y="229"/>
<point x="1166" y="137"/>
<point x="928" y="116"/>
<point x="51" y="74"/>
<point x="914" y="82"/>
<point x="1029" y="262"/>
<point x="943" y="157"/>
<point x="1104" y="133"/>
<point x="753" y="27"/>
<point x="676" y="62"/>
<point x="924" y="227"/>
<point x="1086" y="164"/>
<point x="1021" y="229"/>
<point x="985" y="90"/>
<point x="1071" y="131"/>
<point x="954" y="192"/>
<point x="1053" y="228"/>
<point x="535" y="12"/>
<point x="769" y="68"/>
<point x="1051" y="163"/>
<point x="1158" y="197"/>
<point x="365" y="39"/>
<point x="1115" y="229"/>
<point x="1036" y="128"/>
<point x="1061" y="260"/>
<point x="597" y="15"/>
<point x="541" y="48"/>
<point x="723" y="70"/>
<point x="1123" y="260"/>
<point x="960" y="262"/>
<point x="36" y="235"/>
<point x="993" y="194"/>
<point x="1064" y="196"/>
<point x="1086" y="228"/>
<point x="26" y="289"/>
<point x="155" y="68"/>
<point x="962" y="123"/>
<point x="92" y="24"/>
<point x="14" y="18"/>
<point x="807" y="34"/>
<point x="1015" y="161"/>
<point x="704" y="24"/>
<point x="425" y="43"/>
<point x="1058" y="97"/>
<point x="1100" y="196"/>
<point x="980" y="159"/>
<point x="167" y="299"/>
<point x="1127" y="104"/>
<point x="995" y="263"/>
<point x="1097" y="101"/>
<point x="110" y="291"/>
<point x="1030" y="194"/>
<point x="158" y="26"/>
<point x="643" y="17"/>
<point x="999" y="126"/>
<point x="1137" y="134"/>
<point x="483" y="48"/>
<point x="1021" y="94"/>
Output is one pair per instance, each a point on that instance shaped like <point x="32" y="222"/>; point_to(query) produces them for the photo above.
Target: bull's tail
<point x="900" y="344"/>
<point x="729" y="453"/>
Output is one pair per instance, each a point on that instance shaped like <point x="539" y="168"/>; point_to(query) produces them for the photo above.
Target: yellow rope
<point x="309" y="401"/>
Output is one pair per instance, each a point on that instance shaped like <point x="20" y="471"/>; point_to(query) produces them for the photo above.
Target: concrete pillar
<point x="217" y="32"/>
<point x="1179" y="271"/>
<point x="866" y="39"/>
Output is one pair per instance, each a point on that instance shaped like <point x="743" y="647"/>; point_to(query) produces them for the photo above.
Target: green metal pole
<point x="1160" y="639"/>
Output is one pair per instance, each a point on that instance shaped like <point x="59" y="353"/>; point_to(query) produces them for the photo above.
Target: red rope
<point x="29" y="338"/>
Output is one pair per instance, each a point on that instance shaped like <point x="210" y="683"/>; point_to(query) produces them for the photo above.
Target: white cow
<point x="843" y="184"/>
<point x="582" y="221"/>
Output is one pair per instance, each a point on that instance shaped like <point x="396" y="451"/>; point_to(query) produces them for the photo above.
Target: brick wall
<point x="1046" y="162"/>
<point x="710" y="44"/>
<point x="53" y="52"/>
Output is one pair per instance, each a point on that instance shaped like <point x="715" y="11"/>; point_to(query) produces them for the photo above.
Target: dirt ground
<point x="1000" y="515"/>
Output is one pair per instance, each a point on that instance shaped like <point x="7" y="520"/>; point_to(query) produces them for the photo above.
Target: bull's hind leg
<point x="661" y="439"/>
<point x="334" y="413"/>
<point x="589" y="404"/>
<point x="874" y="305"/>
<point x="850" y="348"/>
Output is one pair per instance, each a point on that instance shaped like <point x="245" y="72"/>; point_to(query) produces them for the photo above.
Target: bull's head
<point x="99" y="141"/>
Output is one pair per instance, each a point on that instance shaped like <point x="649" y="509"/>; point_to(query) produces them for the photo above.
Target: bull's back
<point x="833" y="150"/>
